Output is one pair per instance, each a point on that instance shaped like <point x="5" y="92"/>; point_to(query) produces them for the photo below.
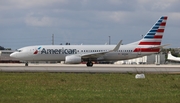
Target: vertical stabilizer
<point x="170" y="56"/>
<point x="154" y="35"/>
<point x="152" y="38"/>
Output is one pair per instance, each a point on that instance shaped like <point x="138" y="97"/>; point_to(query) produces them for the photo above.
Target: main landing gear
<point x="89" y="64"/>
<point x="26" y="64"/>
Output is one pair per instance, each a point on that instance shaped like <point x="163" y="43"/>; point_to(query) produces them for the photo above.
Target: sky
<point x="32" y="22"/>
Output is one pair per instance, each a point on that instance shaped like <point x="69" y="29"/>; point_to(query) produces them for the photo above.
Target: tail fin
<point x="169" y="57"/>
<point x="173" y="58"/>
<point x="155" y="34"/>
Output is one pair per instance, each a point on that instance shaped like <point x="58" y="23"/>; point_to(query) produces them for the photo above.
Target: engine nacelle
<point x="73" y="59"/>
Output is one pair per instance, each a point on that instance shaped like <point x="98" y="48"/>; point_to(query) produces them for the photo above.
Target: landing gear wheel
<point x="89" y="64"/>
<point x="26" y="64"/>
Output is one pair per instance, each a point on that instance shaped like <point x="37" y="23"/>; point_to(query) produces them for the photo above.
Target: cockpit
<point x="18" y="50"/>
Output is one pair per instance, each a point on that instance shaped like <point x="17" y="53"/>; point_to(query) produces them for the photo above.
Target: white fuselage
<point x="59" y="52"/>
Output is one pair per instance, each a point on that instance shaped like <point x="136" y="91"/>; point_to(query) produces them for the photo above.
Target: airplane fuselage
<point x="59" y="52"/>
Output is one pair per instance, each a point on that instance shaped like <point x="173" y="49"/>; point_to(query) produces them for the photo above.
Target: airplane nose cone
<point x="13" y="55"/>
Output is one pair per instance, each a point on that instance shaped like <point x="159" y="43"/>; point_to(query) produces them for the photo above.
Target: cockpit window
<point x="19" y="50"/>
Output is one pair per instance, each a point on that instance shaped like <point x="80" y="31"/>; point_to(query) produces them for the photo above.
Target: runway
<point x="97" y="68"/>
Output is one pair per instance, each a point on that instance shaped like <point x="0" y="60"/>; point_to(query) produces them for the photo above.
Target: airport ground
<point x="37" y="83"/>
<point x="88" y="88"/>
<point x="97" y="68"/>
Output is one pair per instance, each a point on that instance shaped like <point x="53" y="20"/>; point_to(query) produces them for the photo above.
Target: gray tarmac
<point x="97" y="68"/>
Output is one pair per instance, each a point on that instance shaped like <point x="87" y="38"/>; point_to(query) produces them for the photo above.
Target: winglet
<point x="117" y="46"/>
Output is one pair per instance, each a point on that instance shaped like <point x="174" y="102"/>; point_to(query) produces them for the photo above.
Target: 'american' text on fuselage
<point x="58" y="51"/>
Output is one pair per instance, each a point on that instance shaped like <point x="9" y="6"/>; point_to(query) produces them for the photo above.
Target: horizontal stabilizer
<point x="161" y="46"/>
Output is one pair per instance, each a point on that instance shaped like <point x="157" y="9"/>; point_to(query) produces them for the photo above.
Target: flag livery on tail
<point x="153" y="36"/>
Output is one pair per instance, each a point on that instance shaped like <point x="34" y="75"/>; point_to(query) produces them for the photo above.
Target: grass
<point x="88" y="88"/>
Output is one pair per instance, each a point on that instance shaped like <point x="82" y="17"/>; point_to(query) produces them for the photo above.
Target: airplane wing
<point x="96" y="55"/>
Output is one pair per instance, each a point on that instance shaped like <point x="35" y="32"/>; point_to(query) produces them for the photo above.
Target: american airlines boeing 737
<point x="74" y="54"/>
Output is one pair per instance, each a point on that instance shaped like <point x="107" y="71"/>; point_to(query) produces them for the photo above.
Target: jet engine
<point x="73" y="59"/>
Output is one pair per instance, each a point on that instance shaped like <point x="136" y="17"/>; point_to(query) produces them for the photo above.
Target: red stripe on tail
<point x="160" y="30"/>
<point x="165" y="18"/>
<point x="163" y="24"/>
<point x="150" y="43"/>
<point x="158" y="36"/>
